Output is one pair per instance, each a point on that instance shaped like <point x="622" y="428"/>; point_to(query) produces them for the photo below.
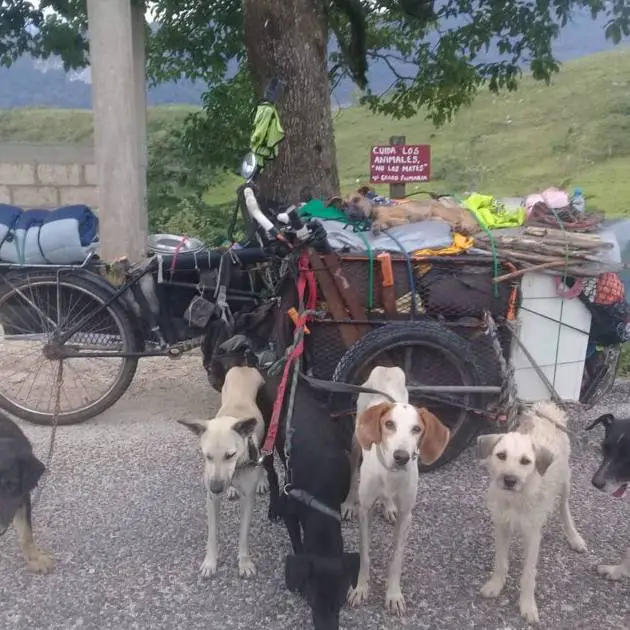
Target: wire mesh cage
<point x="455" y="291"/>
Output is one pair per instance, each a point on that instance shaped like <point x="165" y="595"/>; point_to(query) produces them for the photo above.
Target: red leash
<point x="306" y="278"/>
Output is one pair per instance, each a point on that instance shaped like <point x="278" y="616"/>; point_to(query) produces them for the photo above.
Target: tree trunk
<point x="288" y="39"/>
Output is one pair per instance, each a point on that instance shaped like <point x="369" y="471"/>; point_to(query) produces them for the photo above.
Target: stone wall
<point x="47" y="176"/>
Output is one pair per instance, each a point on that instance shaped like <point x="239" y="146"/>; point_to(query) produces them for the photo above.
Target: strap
<point x="309" y="500"/>
<point x="306" y="278"/>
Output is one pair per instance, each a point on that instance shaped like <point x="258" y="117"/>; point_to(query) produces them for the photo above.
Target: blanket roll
<point x="58" y="237"/>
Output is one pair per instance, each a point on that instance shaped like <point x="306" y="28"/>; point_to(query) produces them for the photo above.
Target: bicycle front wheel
<point x="32" y="309"/>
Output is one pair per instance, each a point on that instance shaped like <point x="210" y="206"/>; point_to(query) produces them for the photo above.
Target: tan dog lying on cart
<point x="404" y="211"/>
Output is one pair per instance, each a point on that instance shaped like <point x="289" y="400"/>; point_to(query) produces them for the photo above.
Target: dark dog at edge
<point x="318" y="569"/>
<point x="20" y="472"/>
<point x="613" y="476"/>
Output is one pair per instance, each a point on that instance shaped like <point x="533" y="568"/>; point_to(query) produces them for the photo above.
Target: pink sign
<point x="400" y="163"/>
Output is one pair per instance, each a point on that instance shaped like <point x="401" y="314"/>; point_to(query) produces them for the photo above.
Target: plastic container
<point x="578" y="201"/>
<point x="555" y="331"/>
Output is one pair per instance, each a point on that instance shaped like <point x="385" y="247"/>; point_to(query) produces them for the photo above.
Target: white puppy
<point x="230" y="445"/>
<point x="392" y="436"/>
<point x="529" y="470"/>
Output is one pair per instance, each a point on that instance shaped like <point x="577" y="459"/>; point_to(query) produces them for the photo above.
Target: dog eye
<point x="525" y="461"/>
<point x="390" y="425"/>
<point x="229" y="455"/>
<point x="209" y="458"/>
<point x="502" y="456"/>
<point x="416" y="429"/>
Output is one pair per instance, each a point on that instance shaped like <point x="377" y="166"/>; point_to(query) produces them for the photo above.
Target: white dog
<point x="230" y="445"/>
<point x="529" y="470"/>
<point x="391" y="436"/>
<point x="392" y="382"/>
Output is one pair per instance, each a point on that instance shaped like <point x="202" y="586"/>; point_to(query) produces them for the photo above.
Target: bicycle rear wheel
<point x="35" y="306"/>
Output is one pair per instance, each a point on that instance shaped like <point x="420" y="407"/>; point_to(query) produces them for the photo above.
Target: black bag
<point x="609" y="323"/>
<point x="455" y="293"/>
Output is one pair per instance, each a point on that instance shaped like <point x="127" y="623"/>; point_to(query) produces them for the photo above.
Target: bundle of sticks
<point x="539" y="248"/>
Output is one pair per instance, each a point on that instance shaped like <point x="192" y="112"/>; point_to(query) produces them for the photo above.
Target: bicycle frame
<point x="169" y="349"/>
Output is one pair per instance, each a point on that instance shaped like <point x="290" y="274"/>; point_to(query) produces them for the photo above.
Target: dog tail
<point x="547" y="409"/>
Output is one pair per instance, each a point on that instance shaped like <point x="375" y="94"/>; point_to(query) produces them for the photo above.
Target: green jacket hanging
<point x="267" y="134"/>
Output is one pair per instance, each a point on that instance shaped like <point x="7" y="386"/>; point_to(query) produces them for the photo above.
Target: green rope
<point x="495" y="256"/>
<point x="564" y="280"/>
<point x="370" y="252"/>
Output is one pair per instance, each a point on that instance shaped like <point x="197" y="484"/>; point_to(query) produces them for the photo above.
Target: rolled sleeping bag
<point x="59" y="237"/>
<point x="69" y="234"/>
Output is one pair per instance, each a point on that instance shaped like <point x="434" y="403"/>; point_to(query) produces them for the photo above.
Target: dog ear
<point x="364" y="190"/>
<point x="297" y="570"/>
<point x="196" y="426"/>
<point x="434" y="437"/>
<point x="486" y="444"/>
<point x="544" y="457"/>
<point x="351" y="565"/>
<point x="335" y="201"/>
<point x="607" y="419"/>
<point x="245" y="427"/>
<point x="368" y="429"/>
<point x="31" y="469"/>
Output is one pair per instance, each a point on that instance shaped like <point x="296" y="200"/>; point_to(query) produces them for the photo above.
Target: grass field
<point x="573" y="132"/>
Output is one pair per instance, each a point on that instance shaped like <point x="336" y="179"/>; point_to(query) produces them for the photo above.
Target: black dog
<point x="20" y="472"/>
<point x="319" y="466"/>
<point x="613" y="475"/>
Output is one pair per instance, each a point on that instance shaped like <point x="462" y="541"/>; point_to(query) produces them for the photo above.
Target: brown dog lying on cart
<point x="402" y="212"/>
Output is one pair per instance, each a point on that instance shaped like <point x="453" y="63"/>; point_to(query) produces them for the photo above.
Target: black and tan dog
<point x="613" y="476"/>
<point x="20" y="472"/>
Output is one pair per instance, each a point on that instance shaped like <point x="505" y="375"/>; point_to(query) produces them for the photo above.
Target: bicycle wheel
<point x="429" y="354"/>
<point x="32" y="308"/>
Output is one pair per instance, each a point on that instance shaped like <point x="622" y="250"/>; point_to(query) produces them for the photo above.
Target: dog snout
<point x="217" y="486"/>
<point x="401" y="457"/>
<point x="509" y="481"/>
<point x="598" y="480"/>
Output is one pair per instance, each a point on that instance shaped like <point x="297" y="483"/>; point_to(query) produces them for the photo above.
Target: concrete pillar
<point x="119" y="106"/>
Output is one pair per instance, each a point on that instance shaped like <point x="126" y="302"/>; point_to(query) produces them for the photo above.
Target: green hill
<point x="574" y="132"/>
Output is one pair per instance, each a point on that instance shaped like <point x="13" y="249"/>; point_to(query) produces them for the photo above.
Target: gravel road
<point x="123" y="512"/>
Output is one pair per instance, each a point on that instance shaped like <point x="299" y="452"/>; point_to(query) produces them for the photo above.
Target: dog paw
<point x="529" y="610"/>
<point x="40" y="562"/>
<point x="262" y="487"/>
<point x="274" y="513"/>
<point x="358" y="595"/>
<point x="613" y="571"/>
<point x="208" y="567"/>
<point x="395" y="603"/>
<point x="492" y="588"/>
<point x="348" y="511"/>
<point x="578" y="544"/>
<point x="246" y="568"/>
<point x="232" y="493"/>
<point x="389" y="512"/>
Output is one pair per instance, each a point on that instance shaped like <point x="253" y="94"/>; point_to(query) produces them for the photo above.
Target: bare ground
<point x="123" y="513"/>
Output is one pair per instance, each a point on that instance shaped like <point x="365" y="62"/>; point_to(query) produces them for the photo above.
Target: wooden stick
<point x="561" y="234"/>
<point x="524" y="270"/>
<point x="531" y="245"/>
